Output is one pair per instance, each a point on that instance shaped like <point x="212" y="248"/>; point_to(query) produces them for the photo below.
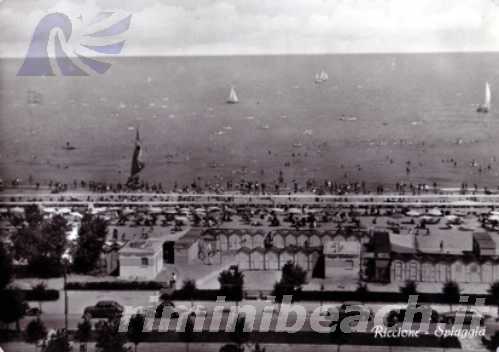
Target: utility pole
<point x="65" y="268"/>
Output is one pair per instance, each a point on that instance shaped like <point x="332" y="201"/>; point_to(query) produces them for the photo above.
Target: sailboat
<point x="68" y="146"/>
<point x="321" y="77"/>
<point x="233" y="99"/>
<point x="485" y="107"/>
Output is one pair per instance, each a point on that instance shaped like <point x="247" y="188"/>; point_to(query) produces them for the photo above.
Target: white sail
<point x="233" y="99"/>
<point x="324" y="76"/>
<point x="321" y="77"/>
<point x="487" y="96"/>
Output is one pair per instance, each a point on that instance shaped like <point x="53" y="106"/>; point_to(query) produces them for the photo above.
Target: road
<point x="54" y="318"/>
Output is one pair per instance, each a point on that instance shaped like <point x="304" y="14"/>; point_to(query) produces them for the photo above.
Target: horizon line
<point x="279" y="54"/>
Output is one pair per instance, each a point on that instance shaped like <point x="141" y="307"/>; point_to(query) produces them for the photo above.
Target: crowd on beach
<point x="279" y="187"/>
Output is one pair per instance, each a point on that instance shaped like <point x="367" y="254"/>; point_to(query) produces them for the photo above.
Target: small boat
<point x="68" y="146"/>
<point x="321" y="77"/>
<point x="485" y="107"/>
<point x="232" y="99"/>
<point x="348" y="118"/>
<point x="297" y="145"/>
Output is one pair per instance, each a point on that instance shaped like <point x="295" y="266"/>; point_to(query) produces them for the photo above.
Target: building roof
<point x="484" y="241"/>
<point x="381" y="242"/>
<point x="142" y="247"/>
<point x="402" y="243"/>
<point x="189" y="238"/>
<point x="341" y="248"/>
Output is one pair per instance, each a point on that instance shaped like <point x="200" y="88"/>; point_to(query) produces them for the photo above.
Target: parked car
<point x="397" y="316"/>
<point x="162" y="310"/>
<point x="198" y="311"/>
<point x="104" y="310"/>
<point x="466" y="316"/>
<point x="364" y="315"/>
<point x="491" y="329"/>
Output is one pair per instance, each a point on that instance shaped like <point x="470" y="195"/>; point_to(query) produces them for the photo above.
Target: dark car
<point x="354" y="309"/>
<point x="397" y="316"/>
<point x="104" y="310"/>
<point x="162" y="310"/>
<point x="467" y="317"/>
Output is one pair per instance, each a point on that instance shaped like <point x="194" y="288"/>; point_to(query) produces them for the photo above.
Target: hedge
<point x="115" y="285"/>
<point x="311" y="296"/>
<point x="40" y="296"/>
<point x="382" y="297"/>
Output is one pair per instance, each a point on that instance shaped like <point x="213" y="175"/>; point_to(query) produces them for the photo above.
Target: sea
<point x="379" y="119"/>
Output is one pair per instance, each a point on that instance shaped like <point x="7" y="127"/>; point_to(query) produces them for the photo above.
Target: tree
<point x="337" y="336"/>
<point x="231" y="284"/>
<point x="293" y="275"/>
<point x="493" y="344"/>
<point x="292" y="279"/>
<point x="188" y="333"/>
<point x="91" y="238"/>
<point x="239" y="336"/>
<point x="35" y="332"/>
<point x="84" y="332"/>
<point x="230" y="348"/>
<point x="494" y="293"/>
<point x="108" y="338"/>
<point x="188" y="290"/>
<point x="33" y="215"/>
<point x="12" y="307"/>
<point x="362" y="291"/>
<point x="42" y="245"/>
<point x="452" y="292"/>
<point x="135" y="332"/>
<point x="6" y="271"/>
<point x="39" y="291"/>
<point x="59" y="342"/>
<point x="409" y="288"/>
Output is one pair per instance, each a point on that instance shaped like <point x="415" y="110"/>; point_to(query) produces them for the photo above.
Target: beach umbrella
<point x="213" y="209"/>
<point x="413" y="213"/>
<point x="155" y="210"/>
<point x="17" y="210"/>
<point x="182" y="219"/>
<point x="184" y="211"/>
<point x="230" y="210"/>
<point x="435" y="212"/>
<point x="128" y="211"/>
<point x="494" y="218"/>
<point x="63" y="211"/>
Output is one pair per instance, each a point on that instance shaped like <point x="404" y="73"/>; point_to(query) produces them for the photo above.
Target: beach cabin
<point x="287" y="255"/>
<point x="243" y="258"/>
<point x="271" y="259"/>
<point x="141" y="259"/>
<point x="257" y="259"/>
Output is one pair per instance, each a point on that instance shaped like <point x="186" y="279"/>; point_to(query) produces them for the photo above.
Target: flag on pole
<point x="137" y="163"/>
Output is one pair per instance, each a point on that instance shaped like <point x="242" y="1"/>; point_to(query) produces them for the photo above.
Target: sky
<point x="228" y="27"/>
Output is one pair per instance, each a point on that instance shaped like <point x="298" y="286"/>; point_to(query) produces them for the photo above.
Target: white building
<point x="141" y="259"/>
